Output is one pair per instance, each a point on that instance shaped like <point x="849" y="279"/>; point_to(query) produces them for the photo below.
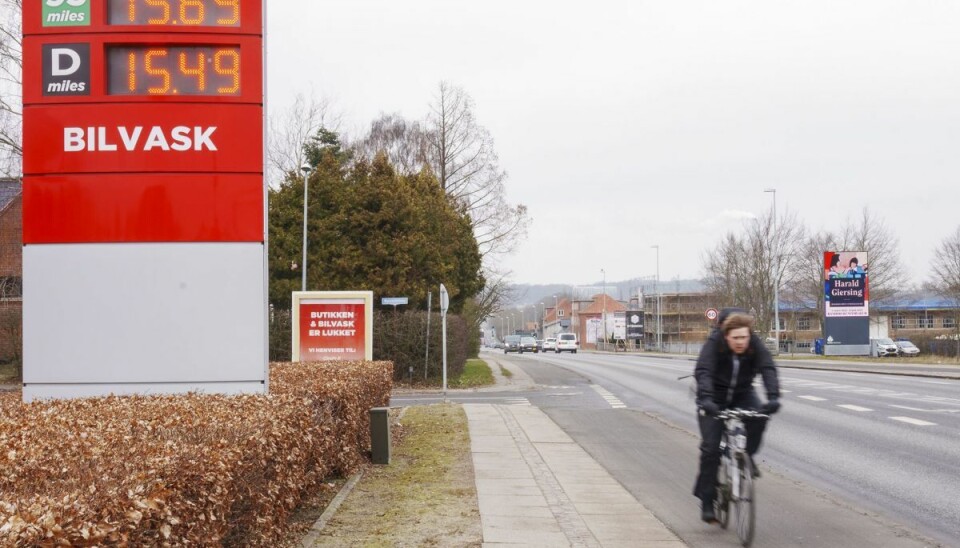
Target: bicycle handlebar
<point x="741" y="414"/>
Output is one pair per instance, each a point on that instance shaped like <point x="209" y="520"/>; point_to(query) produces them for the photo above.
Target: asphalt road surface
<point x="853" y="459"/>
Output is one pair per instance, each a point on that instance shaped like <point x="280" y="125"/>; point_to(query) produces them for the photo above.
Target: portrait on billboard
<point x="845" y="284"/>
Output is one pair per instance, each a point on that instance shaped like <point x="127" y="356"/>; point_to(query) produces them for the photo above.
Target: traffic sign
<point x="393" y="301"/>
<point x="711" y="314"/>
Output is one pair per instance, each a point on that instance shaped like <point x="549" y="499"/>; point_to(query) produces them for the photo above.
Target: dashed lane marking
<point x="611" y="399"/>
<point x="915" y="422"/>
<point x="855" y="408"/>
<point x="812" y="398"/>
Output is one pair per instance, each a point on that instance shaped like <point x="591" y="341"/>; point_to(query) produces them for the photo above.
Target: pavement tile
<point x="616" y="528"/>
<point x="507" y="486"/>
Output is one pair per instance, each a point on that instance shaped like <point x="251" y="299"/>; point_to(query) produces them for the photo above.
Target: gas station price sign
<point x="189" y="13"/>
<point x="173" y="70"/>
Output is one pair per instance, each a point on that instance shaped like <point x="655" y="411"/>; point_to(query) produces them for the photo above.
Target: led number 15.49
<point x="198" y="13"/>
<point x="173" y="70"/>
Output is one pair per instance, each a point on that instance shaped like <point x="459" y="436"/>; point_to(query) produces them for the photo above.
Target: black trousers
<point x="711" y="430"/>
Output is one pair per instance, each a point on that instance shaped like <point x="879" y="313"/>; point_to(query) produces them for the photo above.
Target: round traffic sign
<point x="712" y="314"/>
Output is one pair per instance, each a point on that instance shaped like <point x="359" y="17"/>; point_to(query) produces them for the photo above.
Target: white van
<point x="567" y="342"/>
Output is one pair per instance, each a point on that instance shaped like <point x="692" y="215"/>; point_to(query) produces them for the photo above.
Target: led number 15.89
<point x="200" y="13"/>
<point x="179" y="70"/>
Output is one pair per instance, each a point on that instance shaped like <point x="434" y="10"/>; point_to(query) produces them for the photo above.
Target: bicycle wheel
<point x="721" y="504"/>
<point x="746" y="505"/>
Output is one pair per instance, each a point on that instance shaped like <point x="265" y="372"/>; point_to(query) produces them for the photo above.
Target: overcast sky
<point x="624" y="124"/>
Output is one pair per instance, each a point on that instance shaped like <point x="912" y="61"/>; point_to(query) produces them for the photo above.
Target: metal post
<point x="776" y="276"/>
<point x="306" y="185"/>
<point x="657" y="288"/>
<point x="604" y="314"/>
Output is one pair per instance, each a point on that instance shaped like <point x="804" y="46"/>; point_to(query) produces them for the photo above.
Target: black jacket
<point x="715" y="369"/>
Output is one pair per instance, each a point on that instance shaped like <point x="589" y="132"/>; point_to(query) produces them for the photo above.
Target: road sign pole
<point x="426" y="357"/>
<point x="444" y="305"/>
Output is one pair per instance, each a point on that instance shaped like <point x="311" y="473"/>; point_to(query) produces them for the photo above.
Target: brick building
<point x="11" y="268"/>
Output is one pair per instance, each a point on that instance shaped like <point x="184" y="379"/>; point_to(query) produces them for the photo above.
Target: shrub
<point x="182" y="470"/>
<point x="401" y="337"/>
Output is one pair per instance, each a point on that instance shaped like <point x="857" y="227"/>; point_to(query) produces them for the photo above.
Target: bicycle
<point x="735" y="478"/>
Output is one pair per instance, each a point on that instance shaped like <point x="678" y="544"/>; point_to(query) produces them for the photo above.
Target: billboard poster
<point x="634" y="324"/>
<point x="332" y="326"/>
<point x="845" y="284"/>
<point x="594" y="330"/>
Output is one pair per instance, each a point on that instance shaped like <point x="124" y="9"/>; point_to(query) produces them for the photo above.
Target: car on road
<point x="528" y="344"/>
<point x="549" y="344"/>
<point x="511" y="343"/>
<point x="907" y="348"/>
<point x="567" y="342"/>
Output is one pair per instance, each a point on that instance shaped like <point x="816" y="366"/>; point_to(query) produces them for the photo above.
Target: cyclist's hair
<point x="736" y="321"/>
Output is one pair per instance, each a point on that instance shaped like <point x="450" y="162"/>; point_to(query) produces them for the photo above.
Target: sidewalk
<point x="537" y="487"/>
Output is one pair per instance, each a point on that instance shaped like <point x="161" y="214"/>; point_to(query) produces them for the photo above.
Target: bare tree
<point x="945" y="270"/>
<point x="742" y="269"/>
<point x="288" y="132"/>
<point x="403" y="141"/>
<point x="11" y="108"/>
<point x="806" y="291"/>
<point x="869" y="233"/>
<point x="462" y="156"/>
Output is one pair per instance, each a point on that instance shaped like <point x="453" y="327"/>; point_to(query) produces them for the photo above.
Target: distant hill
<point x="527" y="294"/>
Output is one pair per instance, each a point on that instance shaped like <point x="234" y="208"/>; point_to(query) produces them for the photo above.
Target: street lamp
<point x="776" y="275"/>
<point x="543" y="318"/>
<point x="306" y="168"/>
<point x="657" y="288"/>
<point x="604" y="297"/>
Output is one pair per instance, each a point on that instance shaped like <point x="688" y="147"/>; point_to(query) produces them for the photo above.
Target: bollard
<point x="380" y="434"/>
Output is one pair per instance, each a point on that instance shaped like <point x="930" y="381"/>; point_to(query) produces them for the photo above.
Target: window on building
<point x="925" y="321"/>
<point x="899" y="322"/>
<point x="803" y="324"/>
<point x="11" y="287"/>
<point x="783" y="324"/>
<point x="949" y="322"/>
<point x="560" y="313"/>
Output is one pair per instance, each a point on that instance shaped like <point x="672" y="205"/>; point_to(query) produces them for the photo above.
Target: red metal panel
<point x="251" y="21"/>
<point x="142" y="208"/>
<point x="251" y="75"/>
<point x="186" y="137"/>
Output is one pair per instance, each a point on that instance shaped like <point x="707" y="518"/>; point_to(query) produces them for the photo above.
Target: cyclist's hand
<point x="770" y="407"/>
<point x="709" y="408"/>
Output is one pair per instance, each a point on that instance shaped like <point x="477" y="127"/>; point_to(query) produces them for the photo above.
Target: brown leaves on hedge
<point x="191" y="470"/>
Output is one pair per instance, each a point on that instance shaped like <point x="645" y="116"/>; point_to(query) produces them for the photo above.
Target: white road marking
<point x="916" y="422"/>
<point x="782" y="391"/>
<point x="937" y="382"/>
<point x="610" y="398"/>
<point x="855" y="408"/>
<point x="908" y="408"/>
<point x="812" y="398"/>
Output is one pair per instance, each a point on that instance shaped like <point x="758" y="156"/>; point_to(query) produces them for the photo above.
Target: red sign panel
<point x="143" y="208"/>
<point x="144" y="138"/>
<point x="332" y="331"/>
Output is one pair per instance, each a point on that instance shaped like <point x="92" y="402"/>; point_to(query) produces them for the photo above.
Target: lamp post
<point x="543" y="318"/>
<point x="657" y="288"/>
<point x="306" y="169"/>
<point x="603" y="316"/>
<point x="776" y="274"/>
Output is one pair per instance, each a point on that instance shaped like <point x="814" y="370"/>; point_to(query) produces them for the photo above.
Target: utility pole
<point x="306" y="169"/>
<point x="776" y="274"/>
<point x="604" y="297"/>
<point x="657" y="288"/>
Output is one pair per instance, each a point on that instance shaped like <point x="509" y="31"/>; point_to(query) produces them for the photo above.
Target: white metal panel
<point x="33" y="392"/>
<point x="179" y="315"/>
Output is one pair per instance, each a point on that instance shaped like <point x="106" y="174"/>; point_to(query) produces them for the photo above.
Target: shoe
<point x="708" y="515"/>
<point x="754" y="468"/>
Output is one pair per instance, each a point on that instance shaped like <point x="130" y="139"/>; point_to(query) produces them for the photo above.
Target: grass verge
<point x="476" y="373"/>
<point x="505" y="372"/>
<point x="425" y="497"/>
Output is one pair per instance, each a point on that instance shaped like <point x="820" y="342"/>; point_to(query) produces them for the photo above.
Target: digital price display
<point x="199" y="13"/>
<point x="173" y="70"/>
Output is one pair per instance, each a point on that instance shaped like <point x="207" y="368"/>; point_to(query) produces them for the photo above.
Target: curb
<point x="317" y="528"/>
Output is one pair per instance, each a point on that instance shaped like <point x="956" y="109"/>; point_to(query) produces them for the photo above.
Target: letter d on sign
<point x="57" y="54"/>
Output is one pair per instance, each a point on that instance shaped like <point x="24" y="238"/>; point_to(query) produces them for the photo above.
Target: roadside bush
<point x="204" y="470"/>
<point x="11" y="337"/>
<point x="280" y="335"/>
<point x="930" y="345"/>
<point x="401" y="337"/>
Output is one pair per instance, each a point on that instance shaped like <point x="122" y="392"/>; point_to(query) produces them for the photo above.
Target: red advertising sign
<point x="332" y="329"/>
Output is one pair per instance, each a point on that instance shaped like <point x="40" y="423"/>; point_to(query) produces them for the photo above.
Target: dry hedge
<point x="193" y="470"/>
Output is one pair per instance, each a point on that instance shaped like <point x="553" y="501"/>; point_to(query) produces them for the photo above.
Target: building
<point x="11" y="268"/>
<point x="590" y="324"/>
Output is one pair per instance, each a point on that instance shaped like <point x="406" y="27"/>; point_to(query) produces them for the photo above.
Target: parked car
<point x="528" y="344"/>
<point x="549" y="344"/>
<point x="567" y="342"/>
<point x="907" y="348"/>
<point x="880" y="348"/>
<point x="511" y="343"/>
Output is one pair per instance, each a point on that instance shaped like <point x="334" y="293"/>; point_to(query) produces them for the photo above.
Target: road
<point x="854" y="459"/>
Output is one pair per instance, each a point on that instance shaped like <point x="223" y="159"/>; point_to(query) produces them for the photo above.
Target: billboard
<point x="634" y="324"/>
<point x="845" y="284"/>
<point x="332" y="326"/>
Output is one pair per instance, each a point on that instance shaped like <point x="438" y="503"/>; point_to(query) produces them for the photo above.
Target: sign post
<point x="143" y="197"/>
<point x="444" y="305"/>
